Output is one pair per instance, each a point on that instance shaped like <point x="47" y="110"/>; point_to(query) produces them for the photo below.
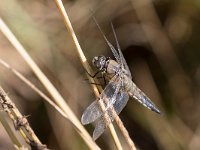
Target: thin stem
<point x="84" y="63"/>
<point x="124" y="132"/>
<point x="20" y="122"/>
<point x="48" y="85"/>
<point x="10" y="132"/>
<point x="32" y="86"/>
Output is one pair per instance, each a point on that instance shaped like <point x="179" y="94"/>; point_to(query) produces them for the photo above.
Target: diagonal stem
<point x="84" y="63"/>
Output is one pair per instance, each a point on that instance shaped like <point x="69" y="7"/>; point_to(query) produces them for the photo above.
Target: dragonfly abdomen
<point x="137" y="94"/>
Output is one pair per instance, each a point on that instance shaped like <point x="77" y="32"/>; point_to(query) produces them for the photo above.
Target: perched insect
<point x="117" y="91"/>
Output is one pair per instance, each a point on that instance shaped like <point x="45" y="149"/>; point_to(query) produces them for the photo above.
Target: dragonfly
<point x="116" y="93"/>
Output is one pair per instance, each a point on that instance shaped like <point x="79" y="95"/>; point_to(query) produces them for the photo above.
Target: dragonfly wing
<point x="91" y="113"/>
<point x="115" y="97"/>
<point x="99" y="128"/>
<point x="121" y="57"/>
<point x="116" y="55"/>
<point x="121" y="101"/>
<point x="94" y="111"/>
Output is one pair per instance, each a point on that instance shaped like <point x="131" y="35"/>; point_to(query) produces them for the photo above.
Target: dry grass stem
<point x="48" y="85"/>
<point x="10" y="132"/>
<point x="20" y="122"/>
<point x="85" y="65"/>
<point x="32" y="86"/>
<point x="124" y="131"/>
<point x="76" y="43"/>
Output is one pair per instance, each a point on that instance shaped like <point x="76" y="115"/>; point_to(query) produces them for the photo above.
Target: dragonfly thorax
<point x="100" y="62"/>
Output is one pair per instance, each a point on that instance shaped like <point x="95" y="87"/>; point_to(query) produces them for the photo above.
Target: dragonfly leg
<point x="104" y="80"/>
<point x="93" y="76"/>
<point x="102" y="76"/>
<point x="96" y="77"/>
<point x="95" y="83"/>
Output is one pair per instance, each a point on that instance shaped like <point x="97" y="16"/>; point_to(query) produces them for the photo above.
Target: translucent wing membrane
<point x="122" y="59"/>
<point x="121" y="101"/>
<point x="108" y="97"/>
<point x="99" y="128"/>
<point x="94" y="111"/>
<point x="113" y="50"/>
<point x="91" y="113"/>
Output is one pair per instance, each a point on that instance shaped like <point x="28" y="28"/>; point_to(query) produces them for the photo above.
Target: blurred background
<point x="160" y="41"/>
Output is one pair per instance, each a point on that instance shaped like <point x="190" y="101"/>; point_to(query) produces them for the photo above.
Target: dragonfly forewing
<point x="121" y="58"/>
<point x="99" y="128"/>
<point x="121" y="101"/>
<point x="91" y="113"/>
<point x="94" y="111"/>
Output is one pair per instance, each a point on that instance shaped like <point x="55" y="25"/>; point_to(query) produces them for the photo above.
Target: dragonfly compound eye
<point x="99" y="62"/>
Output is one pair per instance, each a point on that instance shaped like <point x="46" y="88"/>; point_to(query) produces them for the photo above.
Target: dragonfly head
<point x="100" y="62"/>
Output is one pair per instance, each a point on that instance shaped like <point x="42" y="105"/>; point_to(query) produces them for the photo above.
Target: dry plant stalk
<point x="49" y="86"/>
<point x="20" y="122"/>
<point x="88" y="69"/>
<point x="10" y="132"/>
<point x="86" y="66"/>
<point x="32" y="86"/>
